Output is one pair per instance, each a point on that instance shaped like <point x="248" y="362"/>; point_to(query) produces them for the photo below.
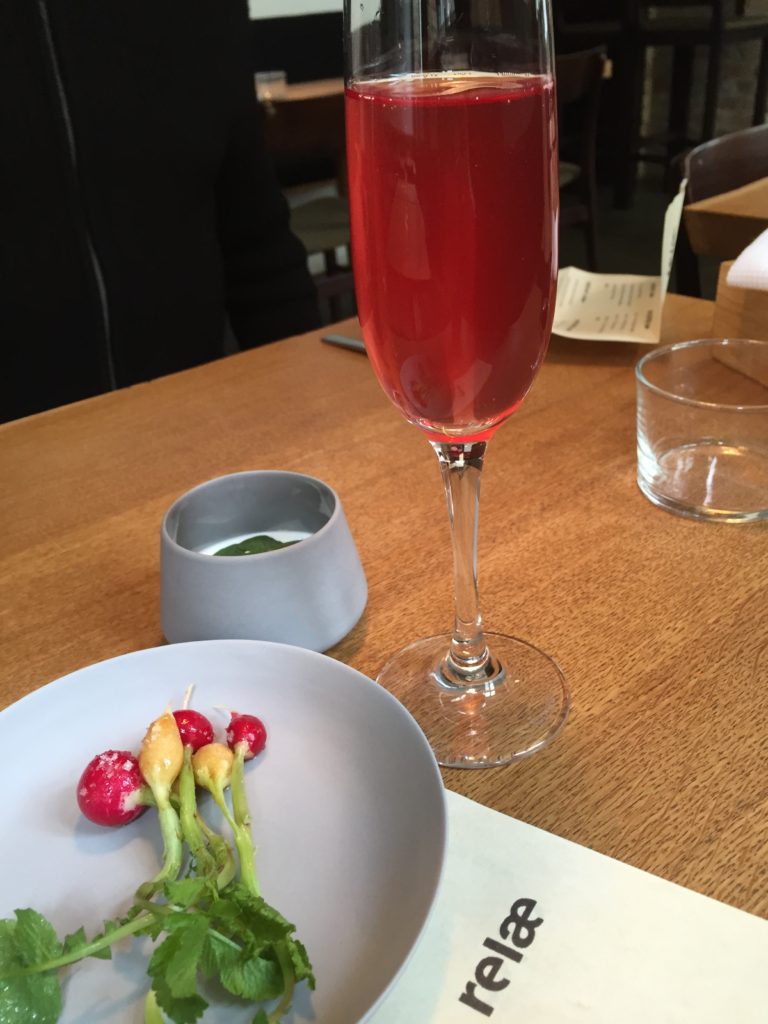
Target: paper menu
<point x="618" y="307"/>
<point x="530" y="927"/>
<point x="609" y="307"/>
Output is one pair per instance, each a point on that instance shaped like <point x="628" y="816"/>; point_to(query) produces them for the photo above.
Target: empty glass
<point x="702" y="429"/>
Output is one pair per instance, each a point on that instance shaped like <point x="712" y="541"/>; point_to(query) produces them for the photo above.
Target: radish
<point x="211" y="908"/>
<point x="212" y="765"/>
<point x="246" y="736"/>
<point x="246" y="733"/>
<point x="111" y="790"/>
<point x="194" y="728"/>
<point x="160" y="760"/>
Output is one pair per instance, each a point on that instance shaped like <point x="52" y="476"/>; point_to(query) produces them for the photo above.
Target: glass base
<point x="712" y="480"/>
<point x="517" y="706"/>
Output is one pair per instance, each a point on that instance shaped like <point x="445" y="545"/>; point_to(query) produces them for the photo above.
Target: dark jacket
<point x="137" y="203"/>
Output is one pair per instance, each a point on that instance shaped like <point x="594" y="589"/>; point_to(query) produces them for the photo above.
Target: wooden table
<point x="658" y="622"/>
<point x="724" y="225"/>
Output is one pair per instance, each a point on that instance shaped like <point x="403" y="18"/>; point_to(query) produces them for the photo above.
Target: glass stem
<point x="467" y="662"/>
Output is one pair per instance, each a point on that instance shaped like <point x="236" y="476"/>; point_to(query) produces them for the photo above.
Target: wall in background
<point x="287" y="8"/>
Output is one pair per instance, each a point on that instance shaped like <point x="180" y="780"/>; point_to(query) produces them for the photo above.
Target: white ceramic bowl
<point x="346" y="800"/>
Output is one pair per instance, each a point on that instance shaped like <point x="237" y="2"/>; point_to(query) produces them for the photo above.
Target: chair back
<point x="580" y="12"/>
<point x="579" y="75"/>
<point x="613" y="17"/>
<point x="726" y="163"/>
<point x="306" y="139"/>
<point x="710" y="12"/>
<point x="579" y="78"/>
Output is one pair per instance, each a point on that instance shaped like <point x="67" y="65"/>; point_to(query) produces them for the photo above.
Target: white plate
<point x="347" y="804"/>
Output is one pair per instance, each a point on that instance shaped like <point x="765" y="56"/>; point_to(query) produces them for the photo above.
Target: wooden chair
<point x="638" y="25"/>
<point x="717" y="166"/>
<point x="322" y="224"/>
<point x="579" y="83"/>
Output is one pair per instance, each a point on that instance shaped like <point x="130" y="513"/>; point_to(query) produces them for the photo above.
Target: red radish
<point x="246" y="732"/>
<point x="111" y="789"/>
<point x="195" y="729"/>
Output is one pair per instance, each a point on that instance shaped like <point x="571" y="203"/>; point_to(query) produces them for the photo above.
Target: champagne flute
<point x="453" y="191"/>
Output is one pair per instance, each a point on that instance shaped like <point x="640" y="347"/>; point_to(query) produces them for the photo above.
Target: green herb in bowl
<point x="255" y="546"/>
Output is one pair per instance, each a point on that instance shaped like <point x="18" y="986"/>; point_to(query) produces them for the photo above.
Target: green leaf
<point x="255" y="546"/>
<point x="175" y="960"/>
<point x="217" y="953"/>
<point x="261" y="1018"/>
<point x="35" y="938"/>
<point x="27" y="940"/>
<point x="166" y="968"/>
<point x="186" y="891"/>
<point x="36" y="998"/>
<point x="262" y="920"/>
<point x="106" y="929"/>
<point x="224" y="910"/>
<point x="300" y="959"/>
<point x="153" y="928"/>
<point x="8" y="957"/>
<point x="253" y="978"/>
<point x="74" y="941"/>
<point x="180" y="1011"/>
<point x="181" y="973"/>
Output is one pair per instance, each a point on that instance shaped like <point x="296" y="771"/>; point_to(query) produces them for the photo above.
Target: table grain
<point x="659" y="622"/>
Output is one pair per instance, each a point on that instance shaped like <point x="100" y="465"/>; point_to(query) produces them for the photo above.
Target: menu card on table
<point x="618" y="307"/>
<point x="531" y="927"/>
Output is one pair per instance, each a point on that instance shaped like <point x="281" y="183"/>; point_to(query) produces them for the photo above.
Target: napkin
<point x="531" y="927"/>
<point x="750" y="269"/>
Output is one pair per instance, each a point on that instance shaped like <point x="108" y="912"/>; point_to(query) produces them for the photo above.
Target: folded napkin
<point x="750" y="269"/>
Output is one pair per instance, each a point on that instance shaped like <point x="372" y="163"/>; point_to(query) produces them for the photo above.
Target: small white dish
<point x="310" y="594"/>
<point x="347" y="803"/>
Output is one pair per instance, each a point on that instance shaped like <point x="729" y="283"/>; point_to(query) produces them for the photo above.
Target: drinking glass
<point x="453" y="191"/>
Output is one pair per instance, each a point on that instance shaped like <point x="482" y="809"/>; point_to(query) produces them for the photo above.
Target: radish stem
<point x="190" y="826"/>
<point x="170" y="829"/>
<point x="242" y="824"/>
<point x="243" y="842"/>
<point x="237" y="785"/>
<point x="289" y="981"/>
<point x="222" y="853"/>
